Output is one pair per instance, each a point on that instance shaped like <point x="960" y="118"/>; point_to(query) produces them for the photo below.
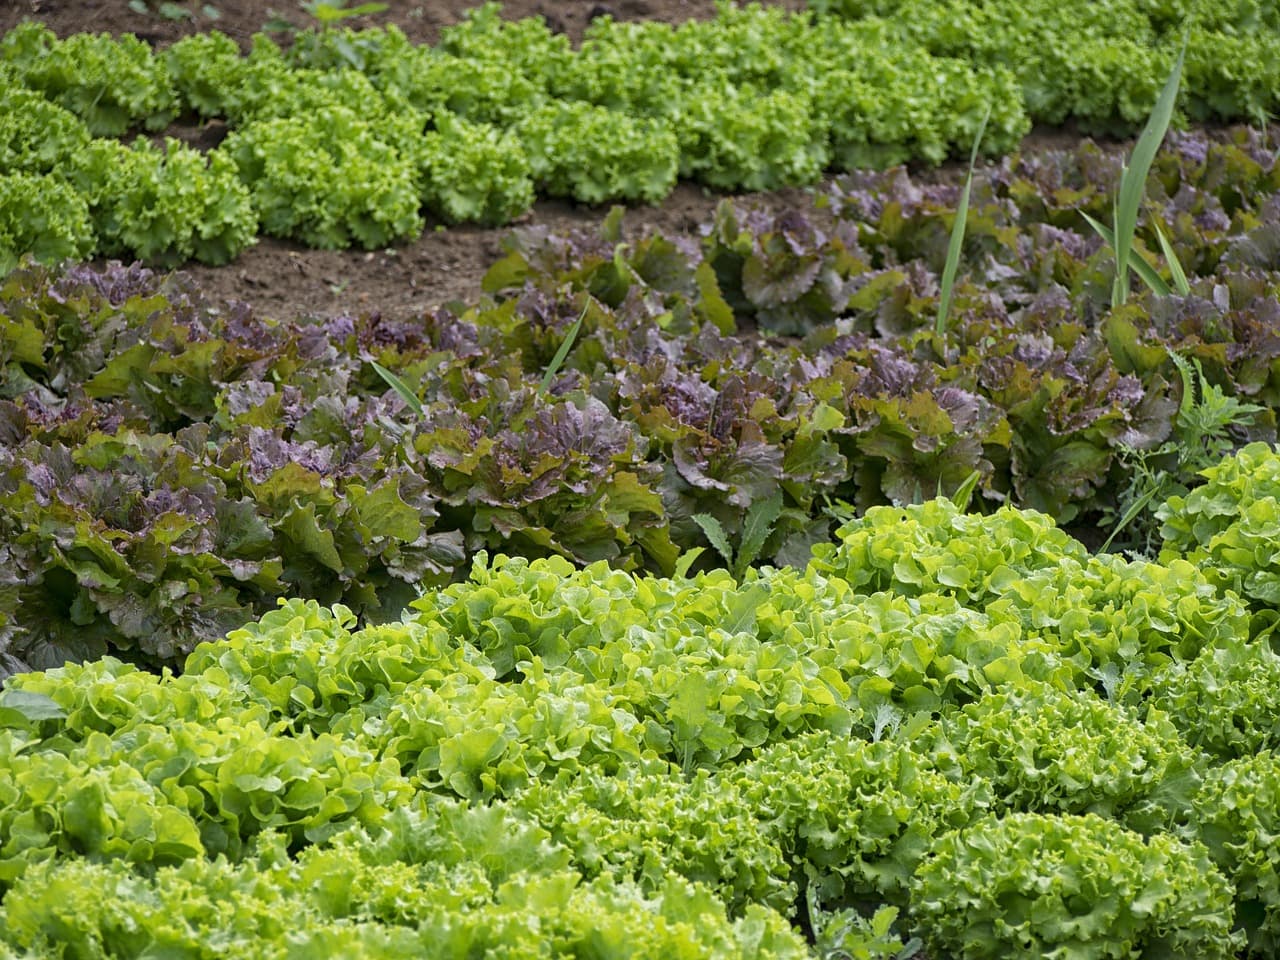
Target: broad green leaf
<point x="24" y="708"/>
<point x="385" y="513"/>
<point x="1127" y="349"/>
<point x="711" y="302"/>
<point x="303" y="528"/>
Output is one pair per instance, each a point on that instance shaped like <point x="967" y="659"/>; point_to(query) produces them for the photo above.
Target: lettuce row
<point x="1101" y="609"/>
<point x="1097" y="64"/>
<point x="1033" y="885"/>
<point x="160" y="795"/>
<point x="755" y="99"/>
<point x="69" y="195"/>
<point x="599" y="737"/>
<point x="356" y="901"/>
<point x="657" y="415"/>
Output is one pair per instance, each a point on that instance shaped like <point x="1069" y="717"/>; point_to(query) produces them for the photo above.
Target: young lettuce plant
<point x="756" y="527"/>
<point x="1133" y="185"/>
<point x="328" y="13"/>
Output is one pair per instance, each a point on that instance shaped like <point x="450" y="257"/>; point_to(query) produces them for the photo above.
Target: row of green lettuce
<point x="346" y="138"/>
<point x="171" y="466"/>
<point x="958" y="732"/>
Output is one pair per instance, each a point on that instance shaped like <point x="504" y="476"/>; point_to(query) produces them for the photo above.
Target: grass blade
<point x="1175" y="268"/>
<point x="957" y="235"/>
<point x="1133" y="181"/>
<point x="400" y="387"/>
<point x="1140" y="266"/>
<point x="554" y="366"/>
<point x="964" y="493"/>
<point x="1135" y="508"/>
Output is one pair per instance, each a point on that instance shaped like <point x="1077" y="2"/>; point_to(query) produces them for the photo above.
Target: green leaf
<point x="400" y="387"/>
<point x="331" y="13"/>
<point x="1135" y="508"/>
<point x="1140" y="266"/>
<point x="1130" y="353"/>
<point x="964" y="493"/>
<point x="1175" y="268"/>
<point x="712" y="306"/>
<point x="1133" y="180"/>
<point x="303" y="528"/>
<point x="554" y="366"/>
<point x="956" y="243"/>
<point x="686" y="561"/>
<point x="385" y="513"/>
<point x="715" y="533"/>
<point x="24" y="708"/>
<point x="760" y="519"/>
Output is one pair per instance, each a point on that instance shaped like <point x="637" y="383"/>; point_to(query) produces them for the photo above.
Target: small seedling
<point x="759" y="522"/>
<point x="1202" y="436"/>
<point x="328" y="13"/>
<point x="173" y="11"/>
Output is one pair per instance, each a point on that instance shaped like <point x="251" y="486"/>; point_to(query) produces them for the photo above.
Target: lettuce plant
<point x="593" y="154"/>
<point x="935" y="547"/>
<point x="1035" y="885"/>
<point x="42" y="216"/>
<point x="1045" y="750"/>
<point x="36" y="136"/>
<point x="475" y="173"/>
<point x="207" y="69"/>
<point x="1236" y="818"/>
<point x="326" y="179"/>
<point x="1228" y="524"/>
<point x="164" y="205"/>
<point x="111" y="84"/>
<point x="1225" y="702"/>
<point x="746" y="139"/>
